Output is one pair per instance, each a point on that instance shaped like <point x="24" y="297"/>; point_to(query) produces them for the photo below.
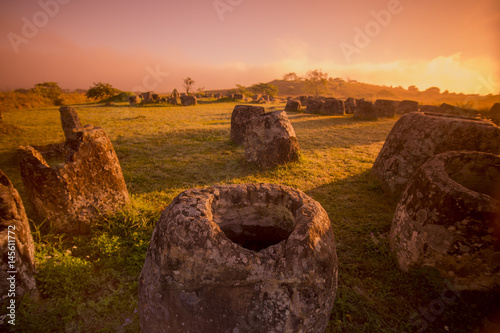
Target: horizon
<point x="153" y="45"/>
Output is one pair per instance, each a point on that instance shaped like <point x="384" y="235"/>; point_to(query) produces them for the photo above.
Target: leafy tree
<point x="433" y="90"/>
<point x="264" y="89"/>
<point x="316" y="82"/>
<point x="291" y="77"/>
<point x="413" y="88"/>
<point x="50" y="90"/>
<point x="101" y="90"/>
<point x="243" y="90"/>
<point x="22" y="91"/>
<point x="188" y="83"/>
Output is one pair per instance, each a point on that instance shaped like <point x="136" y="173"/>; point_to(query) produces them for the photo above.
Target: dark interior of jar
<point x="253" y="225"/>
<point x="478" y="173"/>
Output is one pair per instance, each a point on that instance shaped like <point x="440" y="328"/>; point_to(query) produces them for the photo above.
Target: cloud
<point x="51" y="57"/>
<point x="453" y="73"/>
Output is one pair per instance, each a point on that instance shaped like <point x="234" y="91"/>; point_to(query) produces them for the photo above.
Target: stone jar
<point x="418" y="136"/>
<point x="239" y="258"/>
<point x="17" y="266"/>
<point x="239" y="120"/>
<point x="446" y="219"/>
<point x="87" y="182"/>
<point x="270" y="140"/>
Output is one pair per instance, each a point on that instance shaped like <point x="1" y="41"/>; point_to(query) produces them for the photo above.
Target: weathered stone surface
<point x="188" y="100"/>
<point x="238" y="96"/>
<point x="365" y="111"/>
<point x="147" y="97"/>
<point x="16" y="246"/>
<point x="418" y="136"/>
<point x="70" y="122"/>
<point x="303" y="100"/>
<point x="494" y="113"/>
<point x="239" y="119"/>
<point x="314" y="105"/>
<point x="239" y="258"/>
<point x="385" y="108"/>
<point x="445" y="219"/>
<point x="407" y="106"/>
<point x="333" y="106"/>
<point x="454" y="110"/>
<point x="134" y="100"/>
<point x="172" y="100"/>
<point x="429" y="108"/>
<point x="155" y="97"/>
<point x="293" y="105"/>
<point x="72" y="194"/>
<point x="349" y="105"/>
<point x="270" y="140"/>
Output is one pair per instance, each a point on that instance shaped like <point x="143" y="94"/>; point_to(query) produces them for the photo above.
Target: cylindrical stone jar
<point x="240" y="258"/>
<point x="447" y="218"/>
<point x="418" y="136"/>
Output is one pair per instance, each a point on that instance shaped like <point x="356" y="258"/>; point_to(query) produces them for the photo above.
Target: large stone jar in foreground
<point x="239" y="258"/>
<point x="417" y="136"/>
<point x="446" y="219"/>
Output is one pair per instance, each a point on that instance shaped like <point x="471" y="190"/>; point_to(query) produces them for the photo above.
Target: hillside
<point x="339" y="88"/>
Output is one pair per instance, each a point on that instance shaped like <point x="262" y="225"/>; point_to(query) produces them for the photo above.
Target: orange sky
<point x="153" y="45"/>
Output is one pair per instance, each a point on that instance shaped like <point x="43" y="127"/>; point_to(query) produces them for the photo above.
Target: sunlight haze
<point x="155" y="44"/>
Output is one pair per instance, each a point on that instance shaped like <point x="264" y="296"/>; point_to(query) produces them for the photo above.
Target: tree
<point x="264" y="89"/>
<point x="316" y="82"/>
<point x="50" y="90"/>
<point x="188" y="83"/>
<point x="433" y="90"/>
<point x="291" y="77"/>
<point x="413" y="88"/>
<point x="242" y="90"/>
<point x="101" y="90"/>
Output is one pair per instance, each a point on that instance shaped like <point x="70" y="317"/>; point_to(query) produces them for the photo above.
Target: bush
<point x="120" y="98"/>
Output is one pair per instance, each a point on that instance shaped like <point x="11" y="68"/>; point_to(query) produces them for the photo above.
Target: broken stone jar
<point x="448" y="219"/>
<point x="239" y="258"/>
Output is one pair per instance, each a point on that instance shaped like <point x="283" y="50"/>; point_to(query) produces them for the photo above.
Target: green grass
<point x="89" y="283"/>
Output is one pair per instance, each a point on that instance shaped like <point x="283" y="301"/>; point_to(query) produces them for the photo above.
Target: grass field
<point x="89" y="283"/>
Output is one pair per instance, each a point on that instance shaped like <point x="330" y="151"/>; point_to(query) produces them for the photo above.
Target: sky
<point x="153" y="45"/>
